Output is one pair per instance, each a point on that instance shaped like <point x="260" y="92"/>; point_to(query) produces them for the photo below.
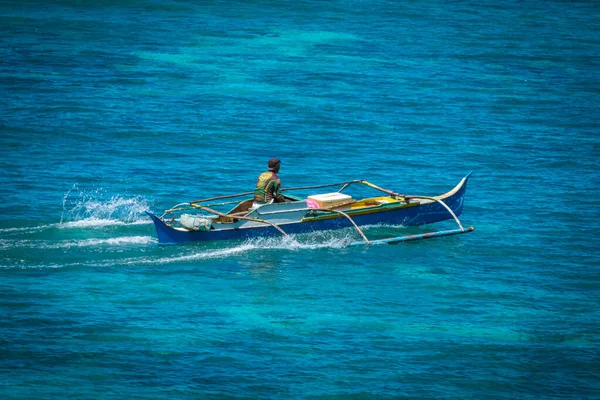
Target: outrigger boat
<point x="326" y="211"/>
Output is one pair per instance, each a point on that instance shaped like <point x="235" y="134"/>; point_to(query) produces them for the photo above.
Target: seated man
<point x="268" y="187"/>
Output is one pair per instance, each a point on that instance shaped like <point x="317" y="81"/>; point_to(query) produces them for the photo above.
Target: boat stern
<point x="167" y="234"/>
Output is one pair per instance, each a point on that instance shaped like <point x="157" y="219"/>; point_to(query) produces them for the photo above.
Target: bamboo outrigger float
<point x="315" y="213"/>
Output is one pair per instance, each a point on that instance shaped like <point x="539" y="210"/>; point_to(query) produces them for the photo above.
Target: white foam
<point x="29" y="228"/>
<point x="93" y="222"/>
<point x="93" y="207"/>
<point x="118" y="241"/>
<point x="220" y="253"/>
<point x="295" y="242"/>
<point x="80" y="224"/>
<point x="382" y="225"/>
<point x="289" y="243"/>
<point x="202" y="255"/>
<point x="89" y="210"/>
<point x="63" y="244"/>
<point x="24" y="265"/>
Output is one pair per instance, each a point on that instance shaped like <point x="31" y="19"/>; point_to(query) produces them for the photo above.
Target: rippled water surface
<point x="109" y="109"/>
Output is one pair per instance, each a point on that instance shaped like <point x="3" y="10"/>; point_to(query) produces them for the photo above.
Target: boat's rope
<point x="442" y="203"/>
<point x="210" y="210"/>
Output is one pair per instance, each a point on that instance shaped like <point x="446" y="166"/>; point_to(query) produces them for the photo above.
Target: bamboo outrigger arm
<point x="419" y="236"/>
<point x="398" y="195"/>
<point x="442" y="203"/>
<point x="351" y="220"/>
<point x="412" y="237"/>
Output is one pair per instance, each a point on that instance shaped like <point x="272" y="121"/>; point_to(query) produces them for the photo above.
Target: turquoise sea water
<point x="108" y="109"/>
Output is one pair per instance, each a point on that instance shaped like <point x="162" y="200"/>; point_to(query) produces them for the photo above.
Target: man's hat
<point x="273" y="164"/>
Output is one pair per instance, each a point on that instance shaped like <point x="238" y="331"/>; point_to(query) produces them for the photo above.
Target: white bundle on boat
<point x="195" y="222"/>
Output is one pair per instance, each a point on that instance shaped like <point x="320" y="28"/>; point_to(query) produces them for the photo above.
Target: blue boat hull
<point x="407" y="216"/>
